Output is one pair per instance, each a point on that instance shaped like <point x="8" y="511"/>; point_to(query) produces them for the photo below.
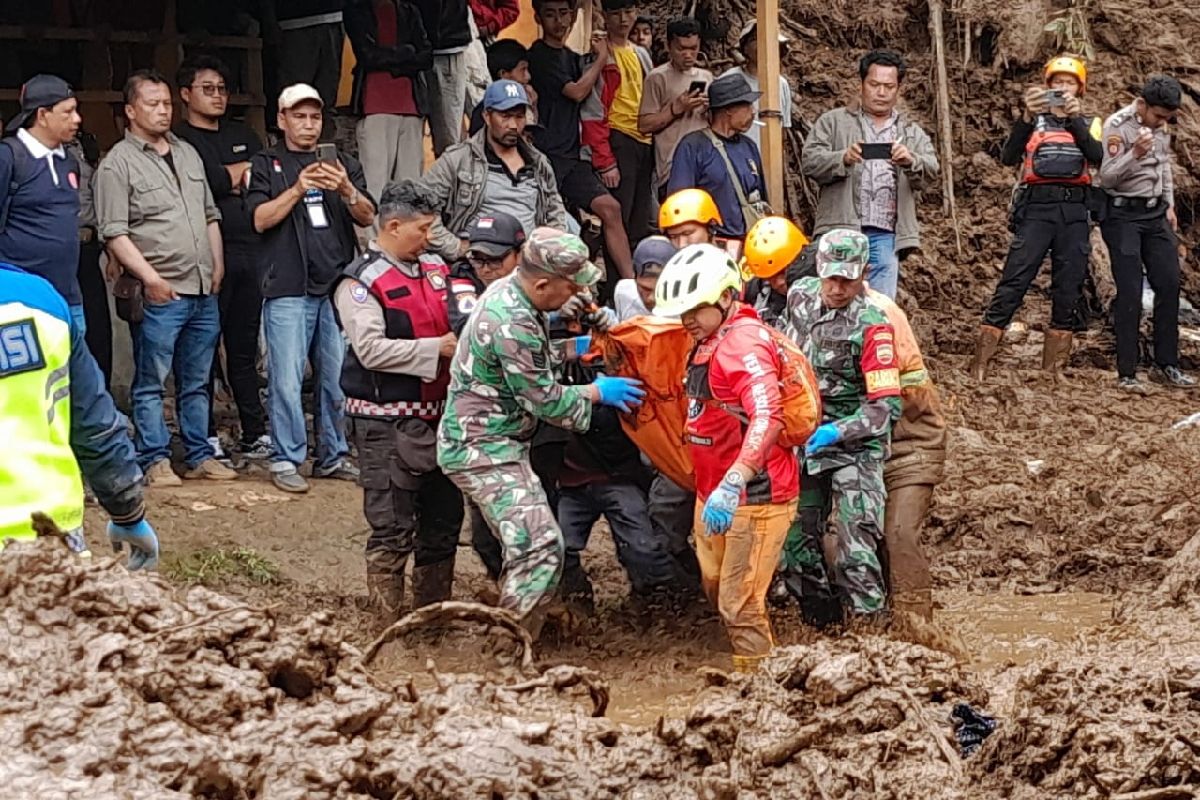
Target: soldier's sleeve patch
<point x="879" y="368"/>
<point x="358" y="292"/>
<point x="1114" y="145"/>
<point x="539" y="359"/>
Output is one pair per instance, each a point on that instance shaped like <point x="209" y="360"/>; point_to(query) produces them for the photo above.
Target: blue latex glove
<point x="624" y="394"/>
<point x="582" y="344"/>
<point x="721" y="505"/>
<point x="823" y="436"/>
<point x="142" y="541"/>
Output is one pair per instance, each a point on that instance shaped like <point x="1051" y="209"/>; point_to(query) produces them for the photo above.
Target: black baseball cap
<point x="495" y="235"/>
<point x="729" y="90"/>
<point x="40" y="91"/>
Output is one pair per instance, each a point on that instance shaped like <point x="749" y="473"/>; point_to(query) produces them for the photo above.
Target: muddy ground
<point x="1065" y="568"/>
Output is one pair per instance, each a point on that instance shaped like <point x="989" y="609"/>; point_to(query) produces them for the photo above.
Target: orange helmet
<point x="771" y="245"/>
<point x="688" y="205"/>
<point x="1068" y="65"/>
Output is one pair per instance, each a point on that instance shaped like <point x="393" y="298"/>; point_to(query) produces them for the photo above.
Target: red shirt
<point x="735" y="411"/>
<point x="383" y="94"/>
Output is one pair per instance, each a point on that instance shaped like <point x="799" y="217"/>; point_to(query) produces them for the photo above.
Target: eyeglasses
<point x="482" y="261"/>
<point x="213" y="89"/>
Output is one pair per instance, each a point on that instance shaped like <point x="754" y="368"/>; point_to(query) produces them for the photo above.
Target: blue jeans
<point x="883" y="273"/>
<point x="643" y="555"/>
<point x="78" y="320"/>
<point x="295" y="328"/>
<point x="181" y="334"/>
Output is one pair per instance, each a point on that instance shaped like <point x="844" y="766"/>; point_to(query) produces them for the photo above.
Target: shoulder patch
<point x="539" y="359"/>
<point x="436" y="279"/>
<point x="358" y="292"/>
<point x="20" y="348"/>
<point x="465" y="301"/>
<point x="1114" y="145"/>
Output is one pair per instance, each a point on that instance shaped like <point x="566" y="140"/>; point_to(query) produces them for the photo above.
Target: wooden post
<point x="945" y="130"/>
<point x="768" y="106"/>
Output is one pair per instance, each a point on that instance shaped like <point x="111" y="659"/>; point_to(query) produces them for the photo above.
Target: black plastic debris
<point x="971" y="728"/>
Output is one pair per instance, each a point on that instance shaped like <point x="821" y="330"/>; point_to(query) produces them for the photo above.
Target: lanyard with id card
<point x="314" y="204"/>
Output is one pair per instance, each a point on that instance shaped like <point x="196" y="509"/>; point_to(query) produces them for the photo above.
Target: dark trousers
<point x="643" y="555"/>
<point x="635" y="193"/>
<point x="1140" y="240"/>
<point x="546" y="461"/>
<point x="314" y="56"/>
<point x="95" y="308"/>
<point x="1060" y="229"/>
<point x="241" y="313"/>
<point x="672" y="512"/>
<point x="406" y="512"/>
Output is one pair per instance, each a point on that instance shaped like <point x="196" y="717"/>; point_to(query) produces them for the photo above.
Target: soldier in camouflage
<point x="852" y="349"/>
<point x="502" y="384"/>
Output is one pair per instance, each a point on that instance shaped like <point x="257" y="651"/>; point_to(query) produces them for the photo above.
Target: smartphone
<point x="327" y="153"/>
<point x="876" y="151"/>
<point x="1056" y="98"/>
<point x="697" y="87"/>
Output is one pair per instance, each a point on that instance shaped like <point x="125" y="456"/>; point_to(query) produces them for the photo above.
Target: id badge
<point x="313" y="203"/>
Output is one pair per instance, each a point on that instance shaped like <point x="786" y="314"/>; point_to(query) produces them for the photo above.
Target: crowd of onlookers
<point x="218" y="241"/>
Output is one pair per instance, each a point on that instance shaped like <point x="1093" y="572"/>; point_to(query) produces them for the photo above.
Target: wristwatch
<point x="353" y="200"/>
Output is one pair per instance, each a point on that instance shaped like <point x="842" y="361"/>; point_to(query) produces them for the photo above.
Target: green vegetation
<point x="217" y="565"/>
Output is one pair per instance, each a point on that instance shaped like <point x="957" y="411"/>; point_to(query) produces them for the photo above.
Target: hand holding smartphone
<point x="876" y="151"/>
<point x="327" y="153"/>
<point x="697" y="87"/>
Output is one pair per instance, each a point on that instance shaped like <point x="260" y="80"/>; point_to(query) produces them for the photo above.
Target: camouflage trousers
<point x="515" y="507"/>
<point x="820" y="563"/>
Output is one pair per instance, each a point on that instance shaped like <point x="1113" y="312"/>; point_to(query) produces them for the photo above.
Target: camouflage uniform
<point x="501" y="385"/>
<point x="852" y="350"/>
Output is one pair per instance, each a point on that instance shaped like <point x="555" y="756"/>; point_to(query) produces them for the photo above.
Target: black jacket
<point x="283" y="265"/>
<point x="446" y="22"/>
<point x="410" y="57"/>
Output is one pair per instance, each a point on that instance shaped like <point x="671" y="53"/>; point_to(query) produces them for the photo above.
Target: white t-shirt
<point x="785" y="102"/>
<point x="627" y="301"/>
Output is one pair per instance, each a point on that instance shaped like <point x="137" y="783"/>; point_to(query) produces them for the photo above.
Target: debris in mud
<point x="112" y="685"/>
<point x="971" y="728"/>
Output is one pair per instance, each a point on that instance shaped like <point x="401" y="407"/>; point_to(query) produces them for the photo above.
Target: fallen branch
<point x="1164" y="793"/>
<point x="567" y="676"/>
<point x="196" y="623"/>
<point x="946" y="133"/>
<point x="782" y="751"/>
<point x="948" y="751"/>
<point x="455" y="611"/>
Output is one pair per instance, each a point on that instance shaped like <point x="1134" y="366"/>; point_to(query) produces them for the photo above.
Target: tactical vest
<point x="38" y="471"/>
<point x="1051" y="155"/>
<point x="413" y="308"/>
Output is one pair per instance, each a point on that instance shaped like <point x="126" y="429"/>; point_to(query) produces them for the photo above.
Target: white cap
<point x="299" y="93"/>
<point x="752" y="25"/>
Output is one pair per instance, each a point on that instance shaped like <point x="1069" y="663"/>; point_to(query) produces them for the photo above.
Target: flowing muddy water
<point x="658" y="672"/>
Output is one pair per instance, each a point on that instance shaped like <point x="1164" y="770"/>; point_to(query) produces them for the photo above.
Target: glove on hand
<point x="574" y="306"/>
<point x="601" y="319"/>
<point x="824" y="436"/>
<point x="624" y="394"/>
<point x="142" y="541"/>
<point x="722" y="504"/>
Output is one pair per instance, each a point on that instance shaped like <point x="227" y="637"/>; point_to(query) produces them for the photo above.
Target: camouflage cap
<point x="843" y="253"/>
<point x="562" y="254"/>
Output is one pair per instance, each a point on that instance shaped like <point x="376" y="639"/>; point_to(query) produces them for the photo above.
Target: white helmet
<point x="697" y="275"/>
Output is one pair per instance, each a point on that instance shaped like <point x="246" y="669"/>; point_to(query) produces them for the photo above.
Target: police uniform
<point x="56" y="419"/>
<point x="852" y="351"/>
<point x="1049" y="214"/>
<point x="395" y="379"/>
<point x="502" y="384"/>
<point x="1138" y="235"/>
